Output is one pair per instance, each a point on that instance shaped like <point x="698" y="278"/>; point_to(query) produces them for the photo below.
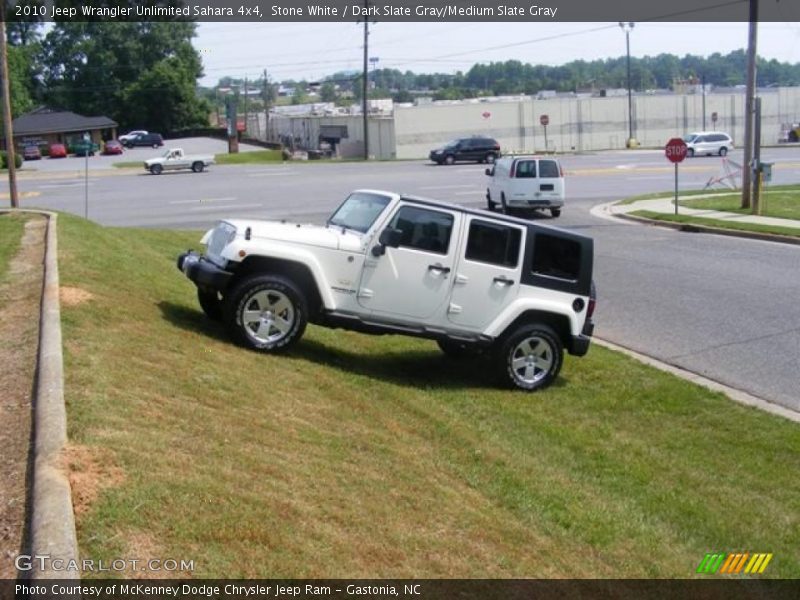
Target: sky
<point x="313" y="50"/>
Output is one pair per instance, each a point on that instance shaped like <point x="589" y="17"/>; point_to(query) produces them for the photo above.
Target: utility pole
<point x="7" y="125"/>
<point x="364" y="87"/>
<point x="747" y="167"/>
<point x="245" y="105"/>
<point x="266" y="108"/>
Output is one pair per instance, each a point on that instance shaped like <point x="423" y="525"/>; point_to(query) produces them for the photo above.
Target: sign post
<point x="544" y="121"/>
<point x="675" y="151"/>
<point x="87" y="146"/>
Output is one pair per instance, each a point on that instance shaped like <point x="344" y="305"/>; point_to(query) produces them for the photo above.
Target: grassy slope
<point x="11" y="229"/>
<point x="377" y="457"/>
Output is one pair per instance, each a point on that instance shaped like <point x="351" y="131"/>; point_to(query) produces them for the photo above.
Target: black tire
<point x="197" y="167"/>
<point x="530" y="358"/>
<point x="211" y="303"/>
<point x="155" y="146"/>
<point x="156" y="169"/>
<point x="503" y="203"/>
<point x="723" y="151"/>
<point x="278" y="313"/>
<point x="490" y="158"/>
<point x="690" y="152"/>
<point x="492" y="206"/>
<point x="449" y="159"/>
<point x="555" y="212"/>
<point x="460" y="350"/>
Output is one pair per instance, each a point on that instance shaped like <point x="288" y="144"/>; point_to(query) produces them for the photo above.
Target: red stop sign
<point x="544" y="120"/>
<point x="675" y="150"/>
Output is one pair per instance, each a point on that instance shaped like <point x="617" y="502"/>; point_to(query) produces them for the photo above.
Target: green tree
<point x="99" y="68"/>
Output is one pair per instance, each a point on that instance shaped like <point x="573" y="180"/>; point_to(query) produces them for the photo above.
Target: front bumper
<point x="537" y="203"/>
<point x="202" y="272"/>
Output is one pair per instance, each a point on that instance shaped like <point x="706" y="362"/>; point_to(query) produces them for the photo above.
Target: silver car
<point x="708" y="143"/>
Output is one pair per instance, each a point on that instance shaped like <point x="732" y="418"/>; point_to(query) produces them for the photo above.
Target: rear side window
<point x="525" y="169"/>
<point x="493" y="243"/>
<point x="549" y="168"/>
<point x="424" y="229"/>
<point x="556" y="257"/>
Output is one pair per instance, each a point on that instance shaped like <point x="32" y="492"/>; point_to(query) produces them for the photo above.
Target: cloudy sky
<point x="314" y="50"/>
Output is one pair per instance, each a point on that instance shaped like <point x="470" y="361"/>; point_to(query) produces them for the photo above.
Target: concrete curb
<point x="732" y="393"/>
<point x="52" y="525"/>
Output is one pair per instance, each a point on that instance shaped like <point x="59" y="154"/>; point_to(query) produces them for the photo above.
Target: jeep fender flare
<point x="280" y="259"/>
<point x="567" y="324"/>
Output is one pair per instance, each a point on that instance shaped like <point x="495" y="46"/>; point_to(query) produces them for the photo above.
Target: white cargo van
<point x="526" y="182"/>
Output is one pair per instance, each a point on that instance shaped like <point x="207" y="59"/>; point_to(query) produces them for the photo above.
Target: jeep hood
<point x="297" y="233"/>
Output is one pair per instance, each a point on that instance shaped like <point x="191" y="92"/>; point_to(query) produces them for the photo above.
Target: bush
<point x="4" y="159"/>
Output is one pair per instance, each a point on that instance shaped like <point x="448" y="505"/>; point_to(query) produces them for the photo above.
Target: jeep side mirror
<point x="390" y="238"/>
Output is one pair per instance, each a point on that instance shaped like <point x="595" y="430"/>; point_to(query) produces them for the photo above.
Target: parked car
<point x="708" y="143"/>
<point x="477" y="148"/>
<point x="31" y="153"/>
<point x="515" y="292"/>
<point x="153" y="140"/>
<point x="174" y="159"/>
<point x="58" y="151"/>
<point x="112" y="147"/>
<point x="131" y="135"/>
<point x="526" y="182"/>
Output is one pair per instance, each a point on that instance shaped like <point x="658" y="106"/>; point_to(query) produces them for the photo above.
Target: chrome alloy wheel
<point x="268" y="316"/>
<point x="532" y="359"/>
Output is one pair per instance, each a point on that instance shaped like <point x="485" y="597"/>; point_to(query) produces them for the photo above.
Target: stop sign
<point x="544" y="120"/>
<point x="675" y="150"/>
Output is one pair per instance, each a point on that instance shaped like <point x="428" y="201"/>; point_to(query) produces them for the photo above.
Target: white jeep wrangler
<point x="513" y="292"/>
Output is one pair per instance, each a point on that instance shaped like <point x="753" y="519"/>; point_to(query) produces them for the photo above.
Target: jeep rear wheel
<point x="266" y="312"/>
<point x="530" y="358"/>
<point x="211" y="303"/>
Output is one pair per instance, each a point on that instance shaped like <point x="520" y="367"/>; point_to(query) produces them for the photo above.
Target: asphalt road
<point x="726" y="308"/>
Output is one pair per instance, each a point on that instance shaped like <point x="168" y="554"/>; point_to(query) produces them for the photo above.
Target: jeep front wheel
<point x="266" y="312"/>
<point x="530" y="358"/>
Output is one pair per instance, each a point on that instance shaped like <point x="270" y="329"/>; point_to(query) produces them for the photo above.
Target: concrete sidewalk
<point x="666" y="205"/>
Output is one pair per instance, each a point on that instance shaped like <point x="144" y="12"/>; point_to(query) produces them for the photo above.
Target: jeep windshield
<point x="359" y="211"/>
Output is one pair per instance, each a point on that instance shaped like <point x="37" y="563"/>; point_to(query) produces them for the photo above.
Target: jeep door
<point x="487" y="276"/>
<point x="412" y="281"/>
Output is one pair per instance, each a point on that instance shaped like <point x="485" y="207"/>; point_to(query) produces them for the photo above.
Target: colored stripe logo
<point x="734" y="563"/>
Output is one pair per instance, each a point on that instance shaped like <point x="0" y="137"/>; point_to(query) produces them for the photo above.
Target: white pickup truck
<point x="174" y="159"/>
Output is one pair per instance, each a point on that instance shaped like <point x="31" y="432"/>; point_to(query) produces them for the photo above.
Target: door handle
<point x="503" y="281"/>
<point x="439" y="268"/>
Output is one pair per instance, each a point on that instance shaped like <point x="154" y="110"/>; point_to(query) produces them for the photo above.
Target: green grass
<point x="782" y="202"/>
<point x="720" y="224"/>
<point x="241" y="158"/>
<point x="249" y="158"/>
<point x="12" y="227"/>
<point x="365" y="456"/>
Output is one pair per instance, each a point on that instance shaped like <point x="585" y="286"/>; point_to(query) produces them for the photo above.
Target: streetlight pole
<point x="627" y="27"/>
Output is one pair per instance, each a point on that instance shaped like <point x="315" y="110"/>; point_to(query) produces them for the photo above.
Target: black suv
<point x="479" y="149"/>
<point x="148" y="139"/>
